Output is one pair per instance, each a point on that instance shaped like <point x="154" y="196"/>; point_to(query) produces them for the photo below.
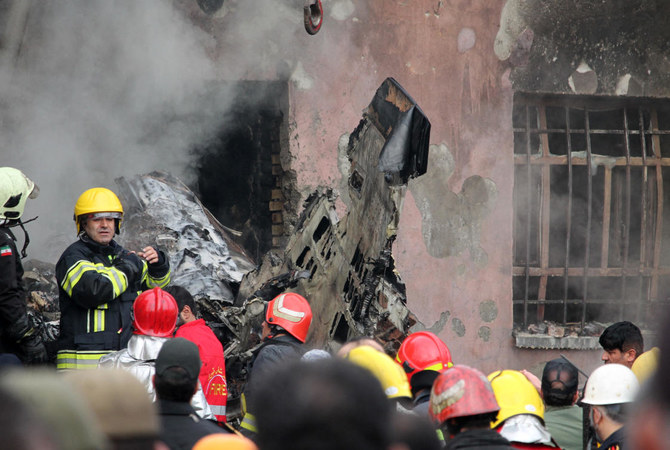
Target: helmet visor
<point x="100" y="215"/>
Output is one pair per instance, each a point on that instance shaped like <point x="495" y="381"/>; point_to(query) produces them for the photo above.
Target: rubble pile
<point x="344" y="267"/>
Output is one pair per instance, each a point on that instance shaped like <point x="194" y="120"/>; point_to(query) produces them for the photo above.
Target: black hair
<point x="454" y="425"/>
<point x="559" y="382"/>
<point x="182" y="296"/>
<point x="175" y="384"/>
<point x="414" y="432"/>
<point x="327" y="404"/>
<point x="622" y="336"/>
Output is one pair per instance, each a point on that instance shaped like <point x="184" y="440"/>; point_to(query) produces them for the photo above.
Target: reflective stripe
<point x="152" y="282"/>
<point x="74" y="274"/>
<point x="218" y="410"/>
<point x="71" y="359"/>
<point x="99" y="320"/>
<point x="249" y="423"/>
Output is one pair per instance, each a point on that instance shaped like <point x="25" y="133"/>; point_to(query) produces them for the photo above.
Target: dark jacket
<point x="615" y="441"/>
<point x="12" y="295"/>
<point x="278" y="350"/>
<point x="481" y="439"/>
<point x="96" y="297"/>
<point x="181" y="427"/>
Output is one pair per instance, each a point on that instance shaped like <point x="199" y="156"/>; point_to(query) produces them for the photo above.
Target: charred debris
<point x="344" y="267"/>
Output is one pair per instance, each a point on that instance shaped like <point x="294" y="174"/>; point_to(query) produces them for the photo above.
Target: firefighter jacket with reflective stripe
<point x="140" y="360"/>
<point x="96" y="298"/>
<point x="12" y="294"/>
<point x="213" y="370"/>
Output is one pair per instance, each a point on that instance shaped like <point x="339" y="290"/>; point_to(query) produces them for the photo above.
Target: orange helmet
<point x="155" y="313"/>
<point x="291" y="312"/>
<point x="461" y="391"/>
<point x="423" y="351"/>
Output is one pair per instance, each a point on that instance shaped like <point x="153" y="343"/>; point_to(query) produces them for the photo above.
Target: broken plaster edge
<point x="542" y="342"/>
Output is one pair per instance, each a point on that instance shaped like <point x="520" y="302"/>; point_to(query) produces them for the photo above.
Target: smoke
<point x="91" y="90"/>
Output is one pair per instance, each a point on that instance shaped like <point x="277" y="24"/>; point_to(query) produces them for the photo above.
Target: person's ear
<point x="153" y="381"/>
<point x="575" y="397"/>
<point x="630" y="355"/>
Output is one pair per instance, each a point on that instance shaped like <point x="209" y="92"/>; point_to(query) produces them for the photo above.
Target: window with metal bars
<point x="592" y="220"/>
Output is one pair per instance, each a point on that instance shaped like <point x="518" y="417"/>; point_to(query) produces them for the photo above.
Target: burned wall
<point x="604" y="47"/>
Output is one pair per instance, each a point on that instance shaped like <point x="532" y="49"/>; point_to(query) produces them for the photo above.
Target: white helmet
<point x="15" y="188"/>
<point x="611" y="384"/>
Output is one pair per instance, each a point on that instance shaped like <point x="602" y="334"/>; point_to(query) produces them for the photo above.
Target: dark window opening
<point x="238" y="170"/>
<point x="592" y="219"/>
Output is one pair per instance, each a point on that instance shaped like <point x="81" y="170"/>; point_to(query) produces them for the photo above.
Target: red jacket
<point x="213" y="371"/>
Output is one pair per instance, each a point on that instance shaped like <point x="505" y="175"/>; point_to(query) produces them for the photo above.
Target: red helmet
<point x="461" y="391"/>
<point x="291" y="312"/>
<point x="423" y="351"/>
<point x="155" y="313"/>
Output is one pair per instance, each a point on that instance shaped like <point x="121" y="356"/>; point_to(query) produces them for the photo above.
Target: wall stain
<point x="458" y="326"/>
<point x="436" y="328"/>
<point x="451" y="222"/>
<point x="488" y="311"/>
<point x="484" y="333"/>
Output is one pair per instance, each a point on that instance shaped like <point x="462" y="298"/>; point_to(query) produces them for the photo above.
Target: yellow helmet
<point x="645" y="365"/>
<point x="384" y="368"/>
<point x="515" y="395"/>
<point x="95" y="201"/>
<point x="228" y="441"/>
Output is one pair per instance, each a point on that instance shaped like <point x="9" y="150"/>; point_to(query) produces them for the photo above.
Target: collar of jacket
<point x="145" y="348"/>
<point x="109" y="248"/>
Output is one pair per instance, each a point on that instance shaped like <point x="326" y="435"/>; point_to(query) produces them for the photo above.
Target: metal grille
<point x="592" y="225"/>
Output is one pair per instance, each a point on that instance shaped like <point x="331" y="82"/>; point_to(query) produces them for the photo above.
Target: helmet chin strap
<point x="18" y="223"/>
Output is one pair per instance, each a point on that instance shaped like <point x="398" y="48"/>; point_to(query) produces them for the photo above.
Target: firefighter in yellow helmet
<point x="18" y="334"/>
<point x="98" y="281"/>
<point x="521" y="416"/>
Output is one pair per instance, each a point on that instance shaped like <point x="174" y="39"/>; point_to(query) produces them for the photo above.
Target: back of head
<point x="390" y="375"/>
<point x="182" y="296"/>
<point x="59" y="405"/>
<point x="292" y="313"/>
<point x="559" y="382"/>
<point x="515" y="395"/>
<point x="413" y="432"/>
<point x="462" y="392"/>
<point x="421" y="351"/>
<point x="22" y="428"/>
<point x="155" y="313"/>
<point x="119" y="402"/>
<point x="622" y="336"/>
<point x="177" y="369"/>
<point x="327" y="404"/>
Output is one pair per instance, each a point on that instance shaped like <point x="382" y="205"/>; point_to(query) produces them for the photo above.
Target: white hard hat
<point x="611" y="384"/>
<point x="15" y="189"/>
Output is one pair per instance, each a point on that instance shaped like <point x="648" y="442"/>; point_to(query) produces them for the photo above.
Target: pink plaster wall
<point x="465" y="92"/>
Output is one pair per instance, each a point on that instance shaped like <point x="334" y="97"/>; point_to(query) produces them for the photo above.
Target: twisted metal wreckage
<point x="344" y="267"/>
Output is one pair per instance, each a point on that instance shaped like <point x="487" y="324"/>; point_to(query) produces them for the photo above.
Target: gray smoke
<point x="91" y="90"/>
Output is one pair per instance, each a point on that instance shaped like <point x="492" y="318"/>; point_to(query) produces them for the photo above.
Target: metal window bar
<point x="651" y="219"/>
<point x="528" y="217"/>
<point x="568" y="219"/>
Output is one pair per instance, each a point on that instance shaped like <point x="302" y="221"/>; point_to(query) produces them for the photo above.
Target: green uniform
<point x="565" y="426"/>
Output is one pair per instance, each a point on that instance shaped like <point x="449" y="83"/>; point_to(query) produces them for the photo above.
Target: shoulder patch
<point x="5" y="250"/>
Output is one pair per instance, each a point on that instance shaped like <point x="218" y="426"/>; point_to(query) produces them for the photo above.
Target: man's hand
<point x="129" y="264"/>
<point x="149" y="254"/>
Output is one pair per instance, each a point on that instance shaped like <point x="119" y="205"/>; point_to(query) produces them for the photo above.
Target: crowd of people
<point x="135" y="367"/>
